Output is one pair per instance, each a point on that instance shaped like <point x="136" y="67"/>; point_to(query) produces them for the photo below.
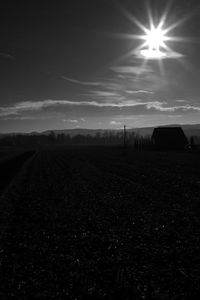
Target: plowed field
<point x="96" y="223"/>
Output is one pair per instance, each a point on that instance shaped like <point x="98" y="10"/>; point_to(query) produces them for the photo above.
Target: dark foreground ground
<point x="94" y="223"/>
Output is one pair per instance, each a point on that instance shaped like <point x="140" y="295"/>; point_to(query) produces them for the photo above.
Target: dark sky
<point x="67" y="64"/>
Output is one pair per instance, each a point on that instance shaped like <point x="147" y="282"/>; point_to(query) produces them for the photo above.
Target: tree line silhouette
<point x="105" y="138"/>
<point x="100" y="138"/>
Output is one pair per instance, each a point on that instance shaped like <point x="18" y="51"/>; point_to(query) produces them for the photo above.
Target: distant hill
<point x="144" y="131"/>
<point x="93" y="132"/>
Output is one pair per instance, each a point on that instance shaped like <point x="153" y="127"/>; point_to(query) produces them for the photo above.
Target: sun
<point x="154" y="41"/>
<point x="155" y="38"/>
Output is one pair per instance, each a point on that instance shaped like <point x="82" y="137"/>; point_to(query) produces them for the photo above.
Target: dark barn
<point x="169" y="138"/>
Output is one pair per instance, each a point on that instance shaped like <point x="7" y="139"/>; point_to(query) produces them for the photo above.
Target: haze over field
<point x="80" y="64"/>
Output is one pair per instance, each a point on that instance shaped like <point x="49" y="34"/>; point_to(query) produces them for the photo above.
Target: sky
<point x="78" y="64"/>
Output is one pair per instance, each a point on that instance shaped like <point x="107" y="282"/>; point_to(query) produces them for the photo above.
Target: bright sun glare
<point x="155" y="37"/>
<point x="154" y="41"/>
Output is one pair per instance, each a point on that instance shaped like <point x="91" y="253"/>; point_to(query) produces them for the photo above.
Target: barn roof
<point x="169" y="137"/>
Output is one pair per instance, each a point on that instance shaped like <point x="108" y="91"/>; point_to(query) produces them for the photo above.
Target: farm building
<point x="169" y="138"/>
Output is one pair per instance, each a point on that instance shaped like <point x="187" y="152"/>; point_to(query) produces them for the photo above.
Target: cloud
<point x="6" y="55"/>
<point x="132" y="70"/>
<point x="181" y="100"/>
<point x="31" y="116"/>
<point x="21" y="118"/>
<point x="115" y="123"/>
<point x="167" y="55"/>
<point x="159" y="106"/>
<point x="104" y="94"/>
<point x="139" y="92"/>
<point x="112" y="86"/>
<point x="86" y="83"/>
<point x="38" y="105"/>
<point x="138" y="79"/>
<point x="82" y="119"/>
<point x="70" y="120"/>
<point x="31" y="106"/>
<point x="173" y="54"/>
<point x="174" y="116"/>
<point x="25" y="106"/>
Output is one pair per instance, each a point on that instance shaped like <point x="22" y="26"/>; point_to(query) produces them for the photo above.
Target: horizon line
<point x="97" y="129"/>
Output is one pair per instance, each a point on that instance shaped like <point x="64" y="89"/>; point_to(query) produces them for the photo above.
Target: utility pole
<point x="124" y="137"/>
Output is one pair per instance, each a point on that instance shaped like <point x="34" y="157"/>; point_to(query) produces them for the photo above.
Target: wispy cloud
<point x="20" y="107"/>
<point x="139" y="92"/>
<point x="6" y="55"/>
<point x="168" y="55"/>
<point x="174" y="116"/>
<point x="112" y="85"/>
<point x="86" y="83"/>
<point x="30" y="116"/>
<point x="181" y="100"/>
<point x="70" y="121"/>
<point x="138" y="79"/>
<point x="132" y="69"/>
<point x="104" y="94"/>
<point x="159" y="106"/>
<point x="21" y="118"/>
<point x="31" y="106"/>
<point x="73" y="120"/>
<point x="38" y="105"/>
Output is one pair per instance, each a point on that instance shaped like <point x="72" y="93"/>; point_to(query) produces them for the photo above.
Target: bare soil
<point x="98" y="223"/>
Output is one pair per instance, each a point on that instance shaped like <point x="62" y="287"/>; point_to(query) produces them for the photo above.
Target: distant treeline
<point x="105" y="138"/>
<point x="132" y="139"/>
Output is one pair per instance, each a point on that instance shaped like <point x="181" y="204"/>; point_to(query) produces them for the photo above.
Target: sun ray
<point x="149" y="14"/>
<point x="167" y="48"/>
<point x="165" y="14"/>
<point x="123" y="57"/>
<point x="130" y="17"/>
<point x="141" y="46"/>
<point x="182" y="20"/>
<point x="188" y="66"/>
<point x="142" y="67"/>
<point x="126" y="36"/>
<point x="161" y="66"/>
